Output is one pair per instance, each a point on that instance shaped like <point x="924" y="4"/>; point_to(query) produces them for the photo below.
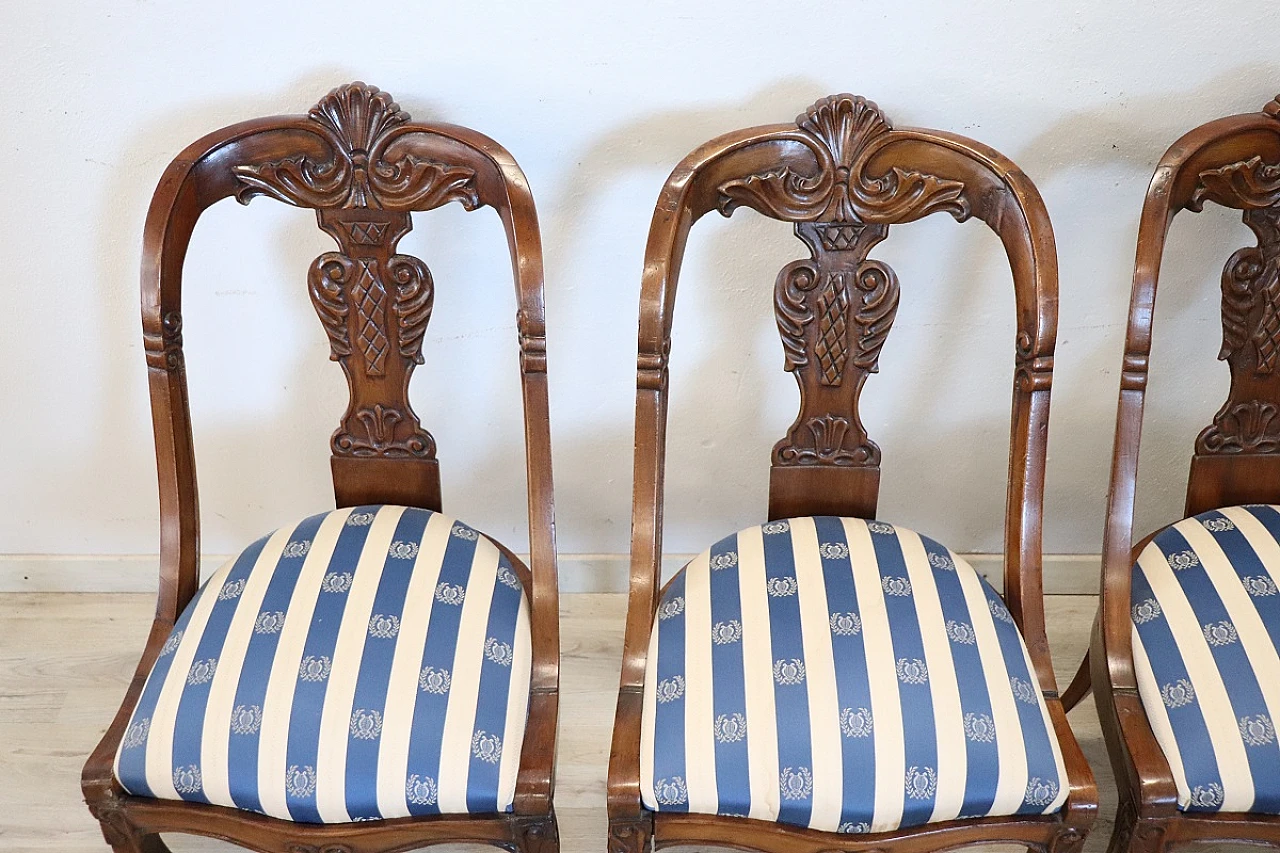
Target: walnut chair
<point x="764" y="689"/>
<point x="1184" y="656"/>
<point x="376" y="678"/>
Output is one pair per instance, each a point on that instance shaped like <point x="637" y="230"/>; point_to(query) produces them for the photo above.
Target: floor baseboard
<point x="1064" y="574"/>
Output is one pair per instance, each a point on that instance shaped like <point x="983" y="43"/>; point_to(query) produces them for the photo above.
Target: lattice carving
<point x="835" y="309"/>
<point x="1249" y="422"/>
<point x="374" y="304"/>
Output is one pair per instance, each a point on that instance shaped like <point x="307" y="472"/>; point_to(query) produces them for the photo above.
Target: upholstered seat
<point x="840" y="674"/>
<point x="365" y="663"/>
<point x="1206" y="627"/>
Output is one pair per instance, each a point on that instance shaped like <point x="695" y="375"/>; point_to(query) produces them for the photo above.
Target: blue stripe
<point x="1039" y="748"/>
<point x="439" y="653"/>
<point x="495" y="681"/>
<point x="853" y="691"/>
<point x="670" y="778"/>
<point x="308" y="698"/>
<point x="790" y="690"/>
<point x="1170" y="673"/>
<point x="728" y="689"/>
<point x="255" y="673"/>
<point x="374" y="680"/>
<point x="920" y="737"/>
<point x="982" y="742"/>
<point x="133" y="759"/>
<point x="188" y="727"/>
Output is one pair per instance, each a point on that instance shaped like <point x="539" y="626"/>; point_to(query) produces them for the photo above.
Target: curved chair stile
<point x="1233" y="162"/>
<point x="363" y="165"/>
<point x="842" y="174"/>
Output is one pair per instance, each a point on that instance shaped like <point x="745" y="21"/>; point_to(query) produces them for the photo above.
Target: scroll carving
<point x="164" y="351"/>
<point x="360" y="123"/>
<point x="1249" y="422"/>
<point x="835" y="309"/>
<point x="374" y="304"/>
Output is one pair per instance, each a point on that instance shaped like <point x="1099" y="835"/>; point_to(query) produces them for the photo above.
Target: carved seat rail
<point x="364" y="166"/>
<point x="842" y="174"/>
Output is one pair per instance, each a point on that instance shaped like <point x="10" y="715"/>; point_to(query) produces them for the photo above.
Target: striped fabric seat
<point x="1206" y="628"/>
<point x="365" y="663"/>
<point x="842" y="675"/>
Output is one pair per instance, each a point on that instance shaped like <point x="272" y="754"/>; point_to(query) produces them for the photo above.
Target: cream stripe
<point x="460" y="716"/>
<point x="216" y="735"/>
<point x="159" y="761"/>
<point x="944" y="689"/>
<point x="699" y="707"/>
<point x="648" y="719"/>
<point x="1211" y="693"/>
<point x="757" y="659"/>
<point x="273" y="749"/>
<point x="406" y="664"/>
<point x="517" y="708"/>
<point x="1011" y="749"/>
<point x="886" y="704"/>
<point x="825" y="743"/>
<point x="1243" y="609"/>
<point x="339" y="698"/>
<point x="1158" y="715"/>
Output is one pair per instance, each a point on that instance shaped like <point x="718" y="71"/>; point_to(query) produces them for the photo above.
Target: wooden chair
<point x="1194" y="749"/>
<point x="297" y="701"/>
<point x="715" y="742"/>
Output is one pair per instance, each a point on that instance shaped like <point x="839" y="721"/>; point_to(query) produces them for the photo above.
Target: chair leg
<point x="1080" y="686"/>
<point x="537" y="833"/>
<point x="118" y="832"/>
<point x="630" y="835"/>
<point x="1132" y="835"/>
<point x="1069" y="840"/>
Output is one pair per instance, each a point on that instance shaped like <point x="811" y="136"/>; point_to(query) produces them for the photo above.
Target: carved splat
<point x="1249" y="421"/>
<point x="374" y="303"/>
<point x="835" y="308"/>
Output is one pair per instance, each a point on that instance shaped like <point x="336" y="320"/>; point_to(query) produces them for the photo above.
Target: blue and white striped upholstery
<point x="365" y="663"/>
<point x="842" y="675"/>
<point x="1206" y="627"/>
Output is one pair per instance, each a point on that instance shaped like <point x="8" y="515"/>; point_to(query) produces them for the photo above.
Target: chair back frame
<point x="1233" y="162"/>
<point x="842" y="174"/>
<point x="363" y="165"/>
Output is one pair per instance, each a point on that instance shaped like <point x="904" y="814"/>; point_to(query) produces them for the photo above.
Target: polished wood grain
<point x="1233" y="162"/>
<point x="364" y="166"/>
<point x="54" y="684"/>
<point x="842" y="175"/>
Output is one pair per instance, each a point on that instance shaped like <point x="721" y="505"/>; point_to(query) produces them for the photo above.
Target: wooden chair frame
<point x="842" y="174"/>
<point x="1233" y="162"/>
<point x="363" y="165"/>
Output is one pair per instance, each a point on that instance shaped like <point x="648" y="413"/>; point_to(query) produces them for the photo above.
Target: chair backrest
<point x="843" y="174"/>
<point x="1233" y="162"/>
<point x="363" y="165"/>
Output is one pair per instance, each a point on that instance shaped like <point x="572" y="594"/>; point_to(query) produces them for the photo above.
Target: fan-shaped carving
<point x="359" y="122"/>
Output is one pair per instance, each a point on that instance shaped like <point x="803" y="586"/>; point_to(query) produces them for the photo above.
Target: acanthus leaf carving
<point x="1247" y="184"/>
<point x="1249" y="427"/>
<point x="842" y="132"/>
<point x="330" y="275"/>
<point x="361" y="124"/>
<point x="415" y="294"/>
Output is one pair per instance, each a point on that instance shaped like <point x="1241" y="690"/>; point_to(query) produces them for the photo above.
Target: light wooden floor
<point x="65" y="659"/>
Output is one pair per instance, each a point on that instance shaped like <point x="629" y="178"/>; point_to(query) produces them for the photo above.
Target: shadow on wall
<point x="730" y="399"/>
<point x="1187" y="383"/>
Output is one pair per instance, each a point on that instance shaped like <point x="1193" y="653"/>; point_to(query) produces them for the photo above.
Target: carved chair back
<point x="364" y="166"/>
<point x="842" y="174"/>
<point x="1233" y="162"/>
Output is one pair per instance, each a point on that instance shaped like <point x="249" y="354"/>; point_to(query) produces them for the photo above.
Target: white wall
<point x="597" y="103"/>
